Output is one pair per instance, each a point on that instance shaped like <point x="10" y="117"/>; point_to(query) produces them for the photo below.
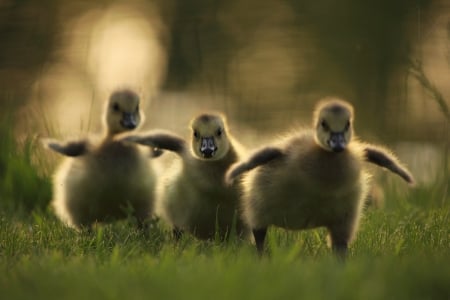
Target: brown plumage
<point x="314" y="178"/>
<point x="193" y="196"/>
<point x="108" y="180"/>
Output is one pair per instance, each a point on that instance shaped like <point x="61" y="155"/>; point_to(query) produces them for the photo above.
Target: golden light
<point x="100" y="51"/>
<point x="125" y="51"/>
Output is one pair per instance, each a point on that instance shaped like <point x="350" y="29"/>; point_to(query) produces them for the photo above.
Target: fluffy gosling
<point x="314" y="178"/>
<point x="108" y="180"/>
<point x="193" y="196"/>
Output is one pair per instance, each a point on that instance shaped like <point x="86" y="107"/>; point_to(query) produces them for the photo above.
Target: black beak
<point x="208" y="147"/>
<point x="128" y="121"/>
<point x="337" y="141"/>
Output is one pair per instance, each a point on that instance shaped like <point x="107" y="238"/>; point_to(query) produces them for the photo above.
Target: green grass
<point x="398" y="255"/>
<point x="24" y="180"/>
<point x="401" y="252"/>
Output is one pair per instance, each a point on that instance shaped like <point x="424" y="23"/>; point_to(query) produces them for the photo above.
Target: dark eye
<point x="324" y="125"/>
<point x="116" y="107"/>
<point x="219" y="132"/>
<point x="347" y="125"/>
<point x="196" y="135"/>
<point x="137" y="108"/>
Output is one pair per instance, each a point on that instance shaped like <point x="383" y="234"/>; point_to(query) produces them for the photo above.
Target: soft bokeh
<point x="264" y="64"/>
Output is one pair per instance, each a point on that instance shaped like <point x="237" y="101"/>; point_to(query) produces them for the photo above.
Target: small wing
<point x="259" y="158"/>
<point x="72" y="148"/>
<point x="386" y="159"/>
<point x="159" y="141"/>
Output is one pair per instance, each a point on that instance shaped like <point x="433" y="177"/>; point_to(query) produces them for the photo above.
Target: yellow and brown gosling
<point x="313" y="178"/>
<point x="109" y="179"/>
<point x="193" y="196"/>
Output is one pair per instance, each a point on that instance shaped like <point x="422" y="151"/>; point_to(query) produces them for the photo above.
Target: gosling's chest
<point x="117" y="158"/>
<point x="328" y="170"/>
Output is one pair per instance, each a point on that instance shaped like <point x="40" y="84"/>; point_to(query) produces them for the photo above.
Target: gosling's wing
<point x="384" y="158"/>
<point x="71" y="148"/>
<point x="159" y="141"/>
<point x="259" y="158"/>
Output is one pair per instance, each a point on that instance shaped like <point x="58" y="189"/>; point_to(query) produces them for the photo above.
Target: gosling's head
<point x="209" y="137"/>
<point x="333" y="123"/>
<point x="122" y="112"/>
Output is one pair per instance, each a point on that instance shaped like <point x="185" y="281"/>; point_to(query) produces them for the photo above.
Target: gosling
<point x="193" y="196"/>
<point x="108" y="180"/>
<point x="315" y="178"/>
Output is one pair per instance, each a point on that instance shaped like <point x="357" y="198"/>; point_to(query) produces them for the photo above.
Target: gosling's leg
<point x="177" y="233"/>
<point x="340" y="236"/>
<point x="143" y="225"/>
<point x="87" y="228"/>
<point x="260" y="236"/>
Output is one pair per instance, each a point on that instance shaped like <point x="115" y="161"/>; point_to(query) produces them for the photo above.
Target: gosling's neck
<point x="109" y="134"/>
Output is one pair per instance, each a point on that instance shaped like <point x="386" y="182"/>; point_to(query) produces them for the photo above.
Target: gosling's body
<point x="315" y="178"/>
<point x="193" y="196"/>
<point x="108" y="180"/>
<point x="308" y="187"/>
<point x="296" y="192"/>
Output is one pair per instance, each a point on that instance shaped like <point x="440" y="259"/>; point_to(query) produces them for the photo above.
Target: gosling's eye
<point x="347" y="125"/>
<point x="137" y="108"/>
<point x="219" y="132"/>
<point x="196" y="135"/>
<point x="115" y="107"/>
<point x="324" y="126"/>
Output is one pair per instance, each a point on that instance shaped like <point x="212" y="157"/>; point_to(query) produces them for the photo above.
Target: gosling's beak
<point x="208" y="147"/>
<point x="129" y="121"/>
<point x="337" y="141"/>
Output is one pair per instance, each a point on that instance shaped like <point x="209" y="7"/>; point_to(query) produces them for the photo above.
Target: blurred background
<point x="263" y="63"/>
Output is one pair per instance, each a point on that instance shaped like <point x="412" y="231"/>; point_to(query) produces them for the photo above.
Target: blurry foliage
<point x="351" y="48"/>
<point x="416" y="70"/>
<point x="357" y="48"/>
<point x="198" y="41"/>
<point x="266" y="55"/>
<point x="442" y="186"/>
<point x="22" y="186"/>
<point x="27" y="33"/>
<point x="362" y="37"/>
